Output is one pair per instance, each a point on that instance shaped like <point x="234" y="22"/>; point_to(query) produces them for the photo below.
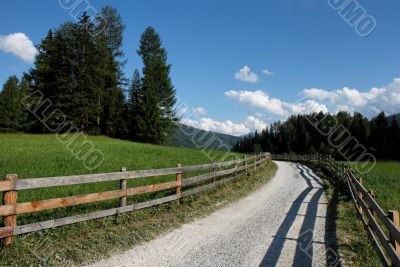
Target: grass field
<point x="31" y="156"/>
<point x="384" y="179"/>
<point x="43" y="155"/>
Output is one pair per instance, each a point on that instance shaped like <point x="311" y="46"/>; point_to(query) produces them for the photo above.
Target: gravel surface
<point x="280" y="224"/>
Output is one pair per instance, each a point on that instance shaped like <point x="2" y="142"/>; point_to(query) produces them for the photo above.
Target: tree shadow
<point x="304" y="249"/>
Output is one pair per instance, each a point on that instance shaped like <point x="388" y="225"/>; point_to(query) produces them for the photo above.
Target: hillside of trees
<point x="380" y="136"/>
<point x="78" y="74"/>
<point x="187" y="136"/>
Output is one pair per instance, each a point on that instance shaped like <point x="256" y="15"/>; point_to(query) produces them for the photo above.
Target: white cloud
<point x="199" y="111"/>
<point x="259" y="99"/>
<point x="386" y="98"/>
<point x="226" y="127"/>
<point x="250" y="124"/>
<point x="245" y="74"/>
<point x="255" y="124"/>
<point x="268" y="72"/>
<point x="19" y="45"/>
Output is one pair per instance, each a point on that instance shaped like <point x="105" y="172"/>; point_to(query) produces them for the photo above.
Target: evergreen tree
<point x="379" y="135"/>
<point x="148" y="118"/>
<point x="157" y="90"/>
<point x="11" y="112"/>
<point x="134" y="102"/>
<point x="394" y="140"/>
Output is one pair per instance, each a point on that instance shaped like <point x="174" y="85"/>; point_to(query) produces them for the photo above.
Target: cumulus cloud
<point x="386" y="98"/>
<point x="19" y="45"/>
<point x="226" y="127"/>
<point x="250" y="124"/>
<point x="199" y="111"/>
<point x="268" y="72"/>
<point x="245" y="74"/>
<point x="260" y="99"/>
<point x="255" y="124"/>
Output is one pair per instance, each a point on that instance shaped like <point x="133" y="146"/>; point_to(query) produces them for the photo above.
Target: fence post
<point x="360" y="180"/>
<point x="122" y="186"/>
<point x="394" y="216"/>
<point x="10" y="198"/>
<point x="179" y="180"/>
<point x="373" y="195"/>
<point x="245" y="165"/>
<point x="255" y="163"/>
<point x="213" y="172"/>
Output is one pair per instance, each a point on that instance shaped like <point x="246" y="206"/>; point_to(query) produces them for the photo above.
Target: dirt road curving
<point x="281" y="224"/>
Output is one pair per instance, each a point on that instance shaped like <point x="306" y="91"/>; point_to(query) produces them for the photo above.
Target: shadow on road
<point x="304" y="244"/>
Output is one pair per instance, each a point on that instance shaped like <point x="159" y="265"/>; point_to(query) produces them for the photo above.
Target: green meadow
<point x="32" y="156"/>
<point x="384" y="179"/>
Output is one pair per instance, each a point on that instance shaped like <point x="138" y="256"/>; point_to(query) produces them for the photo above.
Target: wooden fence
<point x="11" y="185"/>
<point x="383" y="229"/>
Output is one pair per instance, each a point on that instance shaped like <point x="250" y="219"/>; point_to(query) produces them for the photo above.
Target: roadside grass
<point x="352" y="244"/>
<point x="93" y="240"/>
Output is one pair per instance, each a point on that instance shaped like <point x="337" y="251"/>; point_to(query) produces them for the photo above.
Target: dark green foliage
<point x="134" y="102"/>
<point x="298" y="135"/>
<point x="148" y="117"/>
<point x="155" y="118"/>
<point x="378" y="139"/>
<point x="11" y="109"/>
<point x="78" y="73"/>
<point x="78" y="70"/>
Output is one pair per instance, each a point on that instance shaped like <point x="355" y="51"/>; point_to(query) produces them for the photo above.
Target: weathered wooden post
<point x="245" y="165"/>
<point x="122" y="186"/>
<point x="236" y="165"/>
<point x="394" y="216"/>
<point x="10" y="198"/>
<point x="255" y="163"/>
<point x="213" y="173"/>
<point x="179" y="180"/>
<point x="373" y="195"/>
<point x="360" y="181"/>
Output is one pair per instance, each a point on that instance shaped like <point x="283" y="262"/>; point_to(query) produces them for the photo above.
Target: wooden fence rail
<point x="383" y="229"/>
<point x="10" y="208"/>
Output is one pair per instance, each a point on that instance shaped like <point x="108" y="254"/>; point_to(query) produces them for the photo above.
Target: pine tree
<point x="157" y="84"/>
<point x="11" y="112"/>
<point x="394" y="140"/>
<point x="134" y="102"/>
<point x="149" y="124"/>
<point x="109" y="35"/>
<point x="378" y="139"/>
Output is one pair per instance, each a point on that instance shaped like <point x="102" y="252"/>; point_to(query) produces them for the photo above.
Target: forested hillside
<point x="187" y="136"/>
<point x="341" y="135"/>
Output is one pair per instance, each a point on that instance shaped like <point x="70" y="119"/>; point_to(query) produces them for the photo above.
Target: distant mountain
<point x="395" y="116"/>
<point x="187" y="136"/>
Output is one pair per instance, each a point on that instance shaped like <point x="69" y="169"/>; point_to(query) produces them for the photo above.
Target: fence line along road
<point x="11" y="185"/>
<point x="368" y="210"/>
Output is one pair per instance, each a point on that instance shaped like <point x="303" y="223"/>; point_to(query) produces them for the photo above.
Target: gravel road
<point x="280" y="224"/>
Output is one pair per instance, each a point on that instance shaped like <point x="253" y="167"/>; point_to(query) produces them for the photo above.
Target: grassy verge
<point x="89" y="241"/>
<point x="352" y="244"/>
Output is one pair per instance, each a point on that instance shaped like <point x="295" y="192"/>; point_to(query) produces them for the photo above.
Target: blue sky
<point x="309" y="48"/>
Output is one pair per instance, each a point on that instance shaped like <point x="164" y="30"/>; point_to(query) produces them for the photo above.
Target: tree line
<point x="345" y="136"/>
<point x="78" y="69"/>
